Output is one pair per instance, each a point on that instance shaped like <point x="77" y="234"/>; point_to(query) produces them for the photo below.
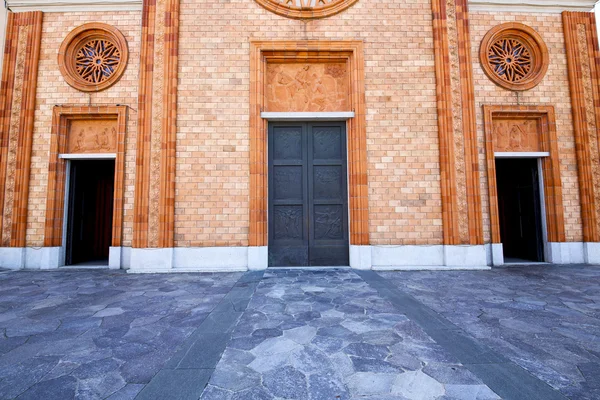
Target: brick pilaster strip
<point x="157" y="113"/>
<point x="459" y="170"/>
<point x="18" y="89"/>
<point x="583" y="60"/>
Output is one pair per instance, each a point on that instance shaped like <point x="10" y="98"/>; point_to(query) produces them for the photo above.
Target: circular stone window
<point x="514" y="56"/>
<point x="93" y="57"/>
<point x="306" y="9"/>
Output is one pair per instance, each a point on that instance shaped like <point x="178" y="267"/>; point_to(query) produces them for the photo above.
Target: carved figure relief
<point x="307" y="87"/>
<point x="92" y="136"/>
<point x="516" y="135"/>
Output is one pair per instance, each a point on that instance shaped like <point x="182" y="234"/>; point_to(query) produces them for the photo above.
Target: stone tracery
<point x="93" y="57"/>
<point x="514" y="56"/>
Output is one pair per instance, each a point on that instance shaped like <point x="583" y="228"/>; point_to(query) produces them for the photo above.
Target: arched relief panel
<point x="309" y="76"/>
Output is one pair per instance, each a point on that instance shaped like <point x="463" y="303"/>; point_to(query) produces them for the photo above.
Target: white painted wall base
<point x="435" y="257"/>
<point x="361" y="257"/>
<point x="151" y="260"/>
<point x="193" y="259"/>
<point x="12" y="257"/>
<point x="229" y="259"/>
<point x="30" y="257"/>
<point x="565" y="253"/>
<point x="592" y="252"/>
<point x="258" y="258"/>
<point x="210" y="259"/>
<point x="115" y="257"/>
<point x="496" y="252"/>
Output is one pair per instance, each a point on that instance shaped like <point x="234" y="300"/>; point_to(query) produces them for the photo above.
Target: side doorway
<point x="520" y="209"/>
<point x="90" y="212"/>
<point x="308" y="196"/>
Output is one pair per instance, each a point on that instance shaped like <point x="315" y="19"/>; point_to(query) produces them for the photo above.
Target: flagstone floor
<point x="521" y="332"/>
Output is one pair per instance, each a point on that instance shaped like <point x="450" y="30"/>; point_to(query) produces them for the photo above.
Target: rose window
<point x="93" y="57"/>
<point x="306" y="9"/>
<point x="97" y="60"/>
<point x="514" y="56"/>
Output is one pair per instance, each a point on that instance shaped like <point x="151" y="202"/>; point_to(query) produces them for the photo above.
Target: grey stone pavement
<point x="545" y="319"/>
<point x="530" y="332"/>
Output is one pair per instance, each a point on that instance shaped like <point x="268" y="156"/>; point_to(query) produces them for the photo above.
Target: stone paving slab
<point x="326" y="334"/>
<point x="546" y="319"/>
<point x="97" y="334"/>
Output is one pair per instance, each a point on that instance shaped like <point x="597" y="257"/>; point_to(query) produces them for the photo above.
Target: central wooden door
<point x="308" y="200"/>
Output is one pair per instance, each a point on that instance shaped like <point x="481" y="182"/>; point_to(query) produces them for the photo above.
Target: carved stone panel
<point x="92" y="136"/>
<point x="315" y="87"/>
<point x="512" y="135"/>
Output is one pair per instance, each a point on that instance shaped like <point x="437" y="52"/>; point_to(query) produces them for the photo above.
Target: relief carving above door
<point x="92" y="136"/>
<point x="301" y="87"/>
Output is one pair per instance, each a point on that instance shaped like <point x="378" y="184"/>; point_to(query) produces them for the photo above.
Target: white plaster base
<point x="12" y="257"/>
<point x="258" y="258"/>
<point x="496" y="254"/>
<point x="188" y="259"/>
<point x="115" y="257"/>
<point x="435" y="257"/>
<point x="210" y="259"/>
<point x="151" y="260"/>
<point x="30" y="257"/>
<point x="361" y="257"/>
<point x="565" y="253"/>
<point x="592" y="252"/>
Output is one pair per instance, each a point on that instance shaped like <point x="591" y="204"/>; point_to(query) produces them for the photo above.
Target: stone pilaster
<point x="155" y="162"/>
<point x="461" y="202"/>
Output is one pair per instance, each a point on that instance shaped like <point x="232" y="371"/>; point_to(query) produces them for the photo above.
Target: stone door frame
<point x="350" y="52"/>
<point x="58" y="172"/>
<point x="549" y="164"/>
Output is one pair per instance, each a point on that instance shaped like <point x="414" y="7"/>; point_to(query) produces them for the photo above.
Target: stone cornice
<point x="73" y="5"/>
<point x="534" y="6"/>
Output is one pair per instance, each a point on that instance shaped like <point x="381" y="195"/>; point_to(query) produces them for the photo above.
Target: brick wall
<point x="53" y="90"/>
<point x="553" y="90"/>
<point x="213" y="116"/>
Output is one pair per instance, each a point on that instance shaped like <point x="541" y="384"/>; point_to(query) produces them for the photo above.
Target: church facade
<point x="222" y="135"/>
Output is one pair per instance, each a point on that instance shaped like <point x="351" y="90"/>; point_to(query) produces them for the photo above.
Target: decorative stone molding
<point x="17" y="108"/>
<point x="306" y="9"/>
<point x="154" y="217"/>
<point x="514" y="56"/>
<point x="461" y="201"/>
<point x="349" y="53"/>
<point x="93" y="57"/>
<point x="66" y="122"/>
<point x="531" y="6"/>
<point x="583" y="60"/>
<point x="536" y="126"/>
<point x="73" y="5"/>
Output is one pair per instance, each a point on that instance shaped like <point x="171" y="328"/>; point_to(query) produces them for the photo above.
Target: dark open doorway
<point x="90" y="212"/>
<point x="519" y="206"/>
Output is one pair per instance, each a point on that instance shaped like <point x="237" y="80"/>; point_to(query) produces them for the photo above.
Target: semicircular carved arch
<point x="514" y="56"/>
<point x="306" y="9"/>
<point x="93" y="57"/>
